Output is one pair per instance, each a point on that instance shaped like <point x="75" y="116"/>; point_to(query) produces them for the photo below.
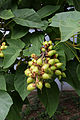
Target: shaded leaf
<point x="2" y="82"/>
<point x="78" y="72"/>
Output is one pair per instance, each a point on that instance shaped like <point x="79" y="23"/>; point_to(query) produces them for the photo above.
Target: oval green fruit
<point x="53" y="68"/>
<point x="47" y="85"/>
<point x="31" y="87"/>
<point x="52" y="52"/>
<point x="29" y="80"/>
<point x="50" y="47"/>
<point x="39" y="85"/>
<point x="30" y="63"/>
<point x="63" y="75"/>
<point x="51" y="61"/>
<point x="46" y="76"/>
<point x="43" y="49"/>
<point x="45" y="67"/>
<point x="27" y="72"/>
<point x="58" y="65"/>
<point x="50" y="42"/>
<point x="57" y="72"/>
<point x="39" y="61"/>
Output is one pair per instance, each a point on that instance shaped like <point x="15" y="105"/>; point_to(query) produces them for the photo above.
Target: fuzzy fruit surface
<point x="47" y="85"/>
<point x="39" y="61"/>
<point x="52" y="52"/>
<point x="31" y="87"/>
<point x="57" y="72"/>
<point x="29" y="80"/>
<point x="46" y="76"/>
<point x="39" y="85"/>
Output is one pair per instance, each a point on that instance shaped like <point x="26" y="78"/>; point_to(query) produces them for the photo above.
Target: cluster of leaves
<point x="43" y="17"/>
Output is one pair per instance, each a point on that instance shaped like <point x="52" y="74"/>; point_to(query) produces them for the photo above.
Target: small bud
<point x="39" y="85"/>
<point x="59" y="77"/>
<point x="46" y="76"/>
<point x="33" y="55"/>
<point x="39" y="61"/>
<point x="52" y="52"/>
<point x="31" y="87"/>
<point x="57" y="72"/>
<point x="47" y="85"/>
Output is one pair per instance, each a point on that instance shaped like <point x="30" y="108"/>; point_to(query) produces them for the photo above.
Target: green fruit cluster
<point x="2" y="47"/>
<point x="42" y="68"/>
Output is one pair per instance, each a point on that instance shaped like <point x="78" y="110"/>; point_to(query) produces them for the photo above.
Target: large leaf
<point x="12" y="52"/>
<point x="36" y="40"/>
<point x="28" y="17"/>
<point x="5" y="104"/>
<point x="9" y="82"/>
<point x="18" y="32"/>
<point x="78" y="72"/>
<point x="47" y="10"/>
<point x="6" y="14"/>
<point x="72" y="78"/>
<point x="14" y="113"/>
<point x="20" y="82"/>
<point x="2" y="82"/>
<point x="70" y="52"/>
<point x="68" y="22"/>
<point x="77" y="4"/>
<point x="50" y="98"/>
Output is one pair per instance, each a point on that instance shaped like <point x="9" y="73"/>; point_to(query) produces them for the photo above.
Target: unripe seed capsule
<point x="57" y="72"/>
<point x="29" y="80"/>
<point x="46" y="76"/>
<point x="59" y="77"/>
<point x="52" y="52"/>
<point x="47" y="85"/>
<point x="51" y="61"/>
<point x="2" y="47"/>
<point x="35" y="69"/>
<point x="45" y="67"/>
<point x="58" y="65"/>
<point x="50" y="47"/>
<point x="43" y="49"/>
<point x="53" y="68"/>
<point x="39" y="85"/>
<point x="50" y="42"/>
<point x="27" y="72"/>
<point x="3" y="44"/>
<point x="56" y="60"/>
<point x="45" y="43"/>
<point x="39" y="61"/>
<point x="1" y="54"/>
<point x="31" y="87"/>
<point x="30" y="63"/>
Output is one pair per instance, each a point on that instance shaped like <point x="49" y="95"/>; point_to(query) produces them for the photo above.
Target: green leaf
<point x="12" y="52"/>
<point x="77" y="4"/>
<point x="72" y="78"/>
<point x="14" y="113"/>
<point x="20" y="82"/>
<point x="78" y="72"/>
<point x="6" y="14"/>
<point x="5" y="104"/>
<point x="50" y="98"/>
<point x="9" y="82"/>
<point x="18" y="32"/>
<point x="36" y="40"/>
<point x="2" y="82"/>
<point x="68" y="22"/>
<point x="70" y="52"/>
<point x="28" y="17"/>
<point x="47" y="10"/>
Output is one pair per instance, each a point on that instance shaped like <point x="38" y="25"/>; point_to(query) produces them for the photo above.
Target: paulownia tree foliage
<point x="57" y="19"/>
